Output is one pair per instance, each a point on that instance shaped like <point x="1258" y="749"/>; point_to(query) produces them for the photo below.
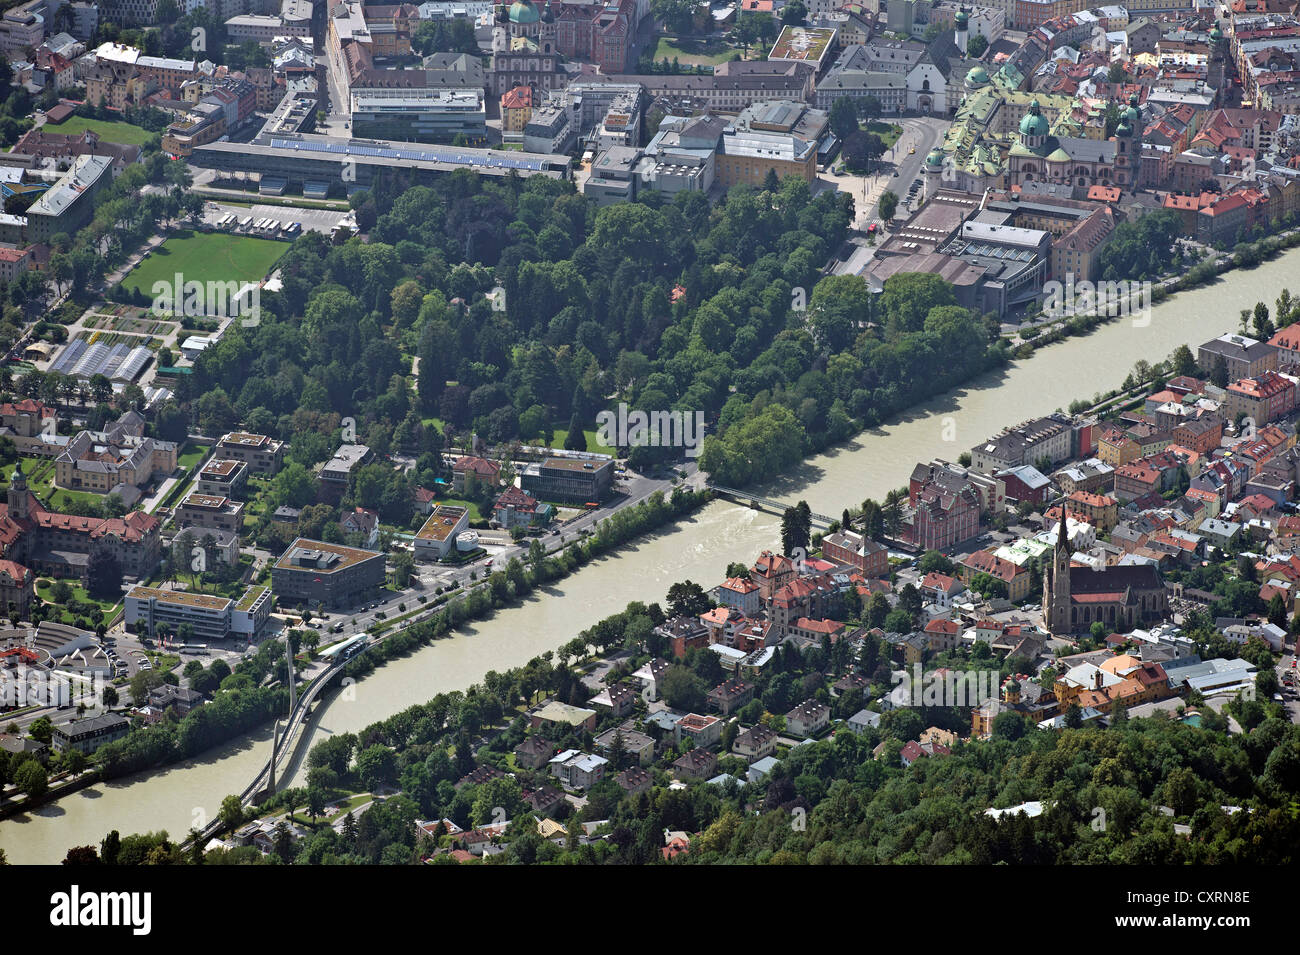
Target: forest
<point x="666" y="305"/>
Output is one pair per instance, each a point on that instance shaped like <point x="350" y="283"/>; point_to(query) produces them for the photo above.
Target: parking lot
<point x="312" y="220"/>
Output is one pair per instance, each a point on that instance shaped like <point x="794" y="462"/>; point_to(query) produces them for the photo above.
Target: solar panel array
<point x="120" y="362"/>
<point x="442" y="154"/>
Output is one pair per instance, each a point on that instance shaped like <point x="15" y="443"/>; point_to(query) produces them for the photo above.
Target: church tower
<point x="1056" y="582"/>
<point x="18" y="500"/>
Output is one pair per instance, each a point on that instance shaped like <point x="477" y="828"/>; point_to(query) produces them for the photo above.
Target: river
<point x="699" y="548"/>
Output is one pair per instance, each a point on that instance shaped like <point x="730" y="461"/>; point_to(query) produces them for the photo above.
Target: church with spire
<point x="1120" y="597"/>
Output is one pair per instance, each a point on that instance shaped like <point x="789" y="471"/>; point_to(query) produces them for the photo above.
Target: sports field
<point x="206" y="257"/>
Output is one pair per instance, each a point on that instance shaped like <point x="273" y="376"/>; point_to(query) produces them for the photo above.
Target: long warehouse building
<point x="306" y="157"/>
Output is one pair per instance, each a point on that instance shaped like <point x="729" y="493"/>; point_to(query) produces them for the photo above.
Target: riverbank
<point x="153" y="748"/>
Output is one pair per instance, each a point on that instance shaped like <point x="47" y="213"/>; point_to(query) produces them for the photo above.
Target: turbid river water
<point x="698" y="548"/>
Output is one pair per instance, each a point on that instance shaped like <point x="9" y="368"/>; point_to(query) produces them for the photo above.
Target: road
<point x="899" y="167"/>
<point x="631" y="489"/>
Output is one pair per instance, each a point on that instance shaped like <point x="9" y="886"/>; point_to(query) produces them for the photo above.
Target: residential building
<point x="730" y="696"/>
<point x="263" y="455"/>
<point x="1242" y="357"/>
<point x="741" y="593"/>
<point x="210" y="511"/>
<point x="808" y="718"/>
<point x="534" y="753"/>
<point x="87" y="735"/>
<point x="704" y="730"/>
<point x="335" y="472"/>
<point x="1263" y="398"/>
<point x="483" y="470"/>
<point x="855" y="550"/>
<point x="696" y="764"/>
<point x="563" y="717"/>
<point x="516" y="508"/>
<point x="755" y="743"/>
<point x="577" y="770"/>
<point x="223" y="477"/>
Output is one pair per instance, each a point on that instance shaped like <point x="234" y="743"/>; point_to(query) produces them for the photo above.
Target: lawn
<point x="592" y="444"/>
<point x="40" y="481"/>
<point x="206" y="257"/>
<point x="190" y="455"/>
<point x="113" y="132"/>
<point x="693" y="52"/>
<point x="474" y="514"/>
<point x="79" y="593"/>
<point x="888" y="132"/>
<point x="60" y="498"/>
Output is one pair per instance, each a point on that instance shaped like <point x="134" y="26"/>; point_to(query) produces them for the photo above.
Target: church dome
<point x="1216" y="35"/>
<point x="1123" y="129"/>
<point x="961" y="19"/>
<point x="1131" y="116"/>
<point x="935" y="159"/>
<point x="522" y="11"/>
<point x="1034" y="123"/>
<point x="978" y="76"/>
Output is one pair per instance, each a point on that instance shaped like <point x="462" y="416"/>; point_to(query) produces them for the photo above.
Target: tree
<point x="1184" y="363"/>
<point x="796" y="529"/>
<point x="682" y="689"/>
<point x="41" y="730"/>
<point x="315" y="802"/>
<point x="933" y="561"/>
<point x="377" y="766"/>
<point x="688" y="599"/>
<point x="1219" y="372"/>
<point x="231" y="813"/>
<point x="32" y="779"/>
<point x="888" y="204"/>
<point x="82" y="855"/>
<point x="976" y="45"/>
<point x="844" y="116"/>
<point x="1073" y="716"/>
<point x="575" y="439"/>
<point x="795" y="12"/>
<point x="104" y="574"/>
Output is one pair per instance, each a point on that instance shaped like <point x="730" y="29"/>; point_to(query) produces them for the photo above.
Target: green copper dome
<point x="961" y="19"/>
<point x="978" y="76"/>
<point x="1034" y="123"/>
<point x="1123" y="129"/>
<point x="522" y="11"/>
<point x="934" y="159"/>
<point x="1216" y="34"/>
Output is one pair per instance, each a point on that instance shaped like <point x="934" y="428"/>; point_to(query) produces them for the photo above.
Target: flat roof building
<point x="263" y="455"/>
<point x="569" y="480"/>
<point x="437" y="538"/>
<point x="312" y="572"/>
<point x="211" y="617"/>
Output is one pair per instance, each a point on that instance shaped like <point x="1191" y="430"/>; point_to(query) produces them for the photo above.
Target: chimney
<point x="1096" y="680"/>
